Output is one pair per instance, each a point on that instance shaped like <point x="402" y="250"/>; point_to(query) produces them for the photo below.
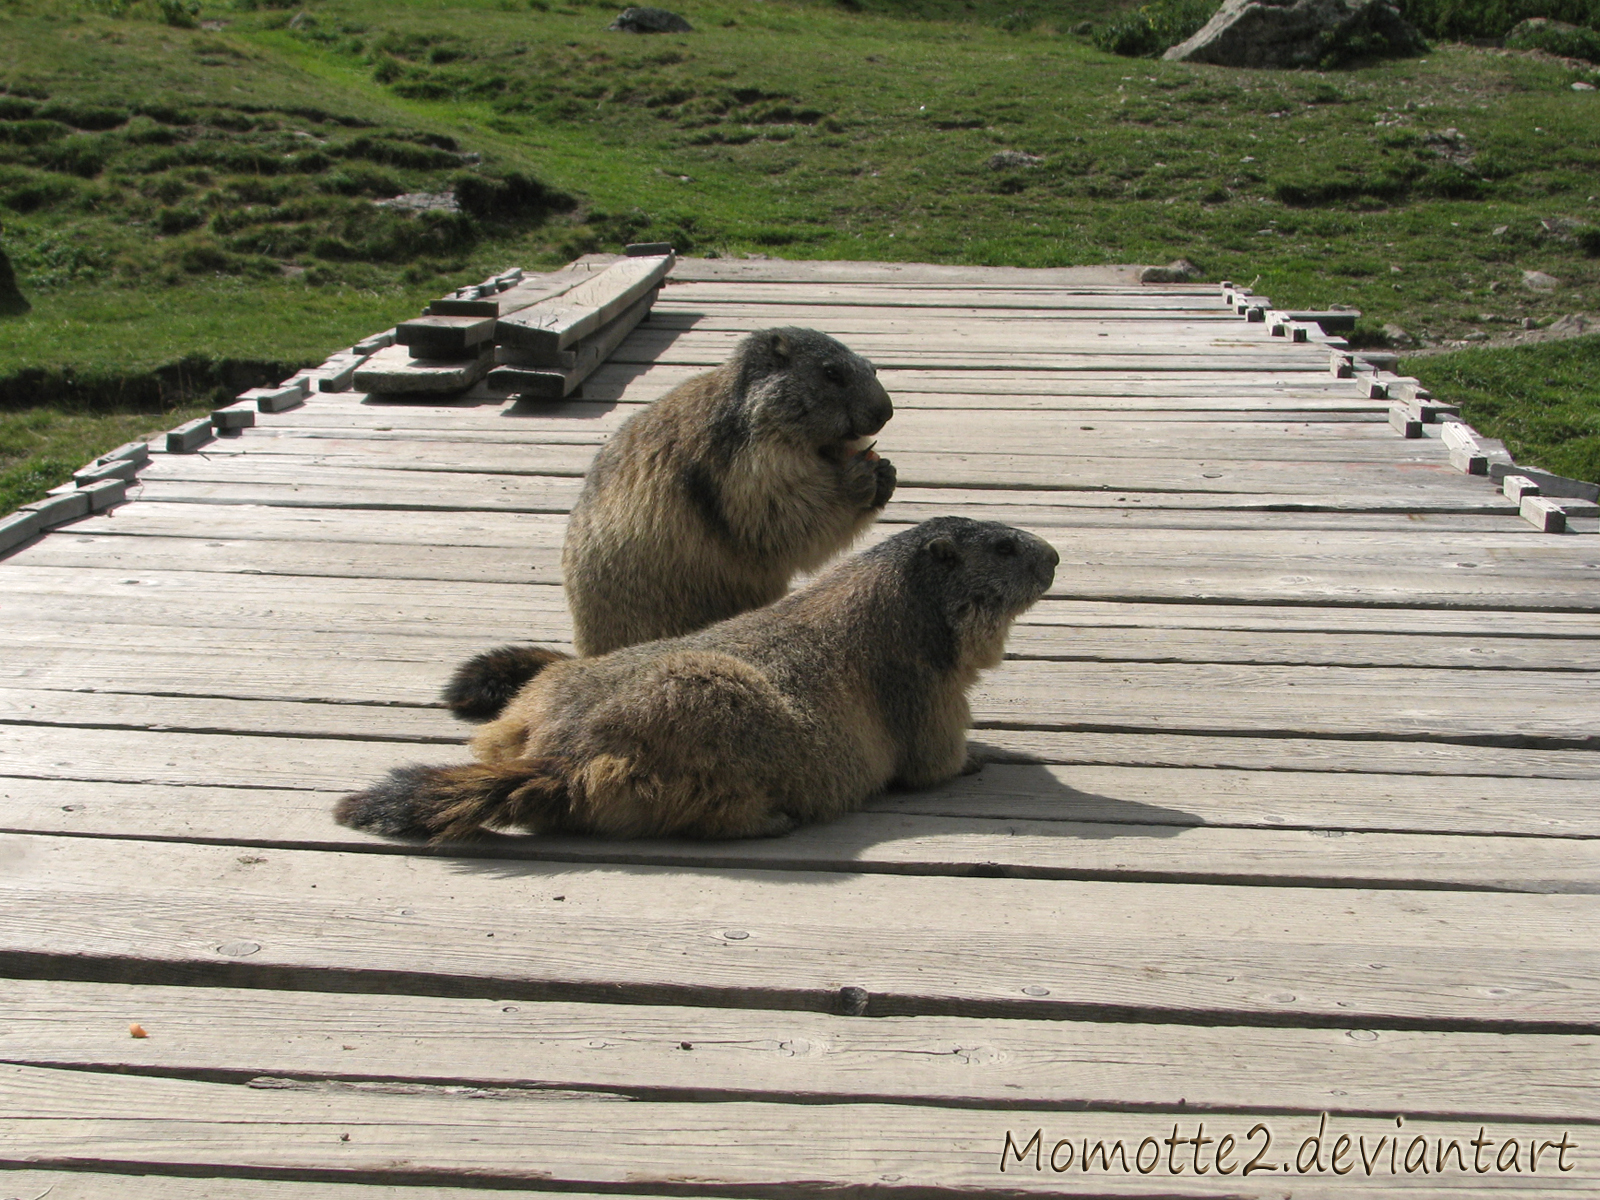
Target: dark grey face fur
<point x="974" y="566"/>
<point x="804" y="385"/>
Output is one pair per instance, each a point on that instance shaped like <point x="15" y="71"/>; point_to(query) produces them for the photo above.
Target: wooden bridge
<point x="1282" y="883"/>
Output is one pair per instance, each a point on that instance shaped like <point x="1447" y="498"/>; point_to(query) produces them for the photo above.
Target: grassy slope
<point x="819" y="132"/>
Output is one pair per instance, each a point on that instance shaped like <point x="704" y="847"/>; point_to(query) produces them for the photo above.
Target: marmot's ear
<point x="778" y="346"/>
<point x="944" y="550"/>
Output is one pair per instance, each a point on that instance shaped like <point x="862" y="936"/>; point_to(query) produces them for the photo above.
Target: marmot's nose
<point x="878" y="412"/>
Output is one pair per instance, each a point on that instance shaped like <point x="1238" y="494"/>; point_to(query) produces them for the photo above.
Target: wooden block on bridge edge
<point x="235" y="416"/>
<point x="1469" y="460"/>
<point x="274" y="399"/>
<point x="68" y="506"/>
<point x="1543" y="514"/>
<point x="371" y="345"/>
<point x="137" y="453"/>
<point x="1404" y="423"/>
<point x="117" y="468"/>
<point x="1517" y="486"/>
<point x="190" y="435"/>
<point x="106" y="493"/>
<point x="18" y="528"/>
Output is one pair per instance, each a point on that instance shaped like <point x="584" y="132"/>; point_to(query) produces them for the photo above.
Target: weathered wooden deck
<point x="1299" y="815"/>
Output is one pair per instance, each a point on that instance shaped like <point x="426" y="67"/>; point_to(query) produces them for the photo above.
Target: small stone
<point x="1581" y="86"/>
<point x="1397" y="335"/>
<point x="1476" y="335"/>
<point x="1179" y="270"/>
<point x="1538" y="281"/>
<point x="421" y="202"/>
<point x="1529" y="323"/>
<point x="1006" y="160"/>
<point x="649" y="20"/>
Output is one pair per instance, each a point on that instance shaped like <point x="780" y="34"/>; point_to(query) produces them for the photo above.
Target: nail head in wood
<point x="190" y="435"/>
<point x="1543" y="514"/>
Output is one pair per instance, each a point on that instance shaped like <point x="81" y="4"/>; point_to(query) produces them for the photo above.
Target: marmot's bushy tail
<point x="484" y="685"/>
<point x="453" y="804"/>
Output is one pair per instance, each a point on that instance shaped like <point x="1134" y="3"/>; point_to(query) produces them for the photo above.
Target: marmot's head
<point x="806" y="388"/>
<point x="979" y="576"/>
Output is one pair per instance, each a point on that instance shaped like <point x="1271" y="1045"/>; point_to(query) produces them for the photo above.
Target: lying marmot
<point x="706" y="504"/>
<point x="796" y="712"/>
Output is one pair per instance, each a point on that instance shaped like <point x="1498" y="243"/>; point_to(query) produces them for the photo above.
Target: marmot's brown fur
<point x="792" y="713"/>
<point x="706" y="504"/>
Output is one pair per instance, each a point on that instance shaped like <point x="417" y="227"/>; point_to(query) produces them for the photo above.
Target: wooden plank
<point x="331" y="750"/>
<point x="1417" y="477"/>
<point x="531" y="530"/>
<point x="62" y="645"/>
<point x="231" y="1032"/>
<point x="1514" y="582"/>
<point x="1083" y="837"/>
<point x="96" y="910"/>
<point x="1553" y="708"/>
<point x="577" y="364"/>
<point x="770" y="271"/>
<point x="392" y="371"/>
<point x="106" y="1184"/>
<point x="1214" y="387"/>
<point x="565" y="1140"/>
<point x="495" y="610"/>
<point x="555" y="324"/>
<point x="24" y="709"/>
<point x="529" y="290"/>
<point x="274" y="804"/>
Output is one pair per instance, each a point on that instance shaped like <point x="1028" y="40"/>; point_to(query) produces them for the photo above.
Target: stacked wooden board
<point x="1289" y="836"/>
<point x="537" y="338"/>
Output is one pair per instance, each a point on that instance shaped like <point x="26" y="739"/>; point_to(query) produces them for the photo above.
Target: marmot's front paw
<point x="885" y="483"/>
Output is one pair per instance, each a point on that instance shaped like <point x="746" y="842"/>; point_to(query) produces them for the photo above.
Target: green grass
<point x="1542" y="401"/>
<point x="228" y="215"/>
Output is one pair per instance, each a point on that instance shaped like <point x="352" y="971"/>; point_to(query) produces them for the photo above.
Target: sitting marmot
<point x="792" y="713"/>
<point x="705" y="505"/>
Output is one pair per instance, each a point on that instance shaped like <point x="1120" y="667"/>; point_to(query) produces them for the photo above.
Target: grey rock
<point x="1298" y="33"/>
<point x="649" y="20"/>
<point x="1396" y="335"/>
<point x="422" y="202"/>
<point x="1180" y="270"/>
<point x="1009" y="159"/>
<point x="1540" y="282"/>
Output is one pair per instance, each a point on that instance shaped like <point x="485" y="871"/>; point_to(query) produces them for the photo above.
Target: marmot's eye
<point x="1006" y="546"/>
<point x="834" y="374"/>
